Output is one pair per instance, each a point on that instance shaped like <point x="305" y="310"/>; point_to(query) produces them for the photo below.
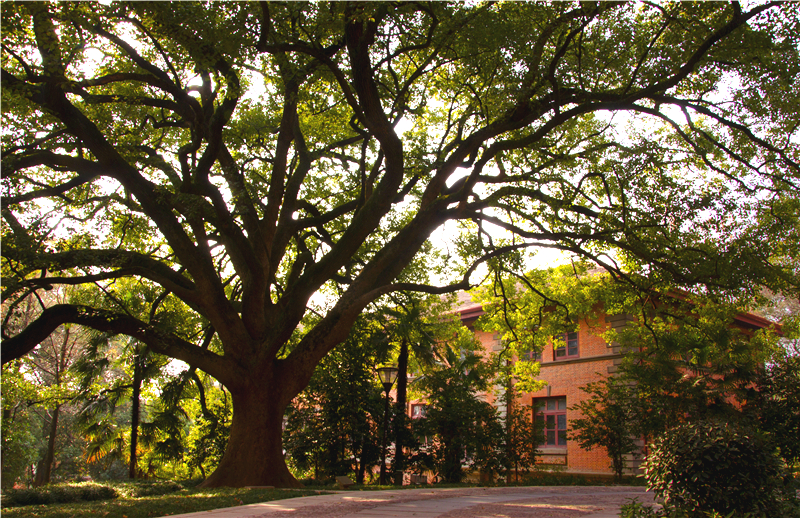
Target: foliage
<point x="776" y="404"/>
<point x="233" y="167"/>
<point x="608" y="420"/>
<point x="333" y="427"/>
<point x="189" y="500"/>
<point x="459" y="428"/>
<point x="120" y="374"/>
<point x="527" y="311"/>
<point x="18" y="442"/>
<point x="707" y="466"/>
<point x="691" y="360"/>
<point x="57" y="494"/>
<point x="685" y="353"/>
<point x="50" y="387"/>
<point x="634" y="509"/>
<point x="209" y="434"/>
<point x="148" y="488"/>
<point x="523" y="434"/>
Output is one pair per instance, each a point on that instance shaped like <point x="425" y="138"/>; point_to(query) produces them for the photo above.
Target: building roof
<point x="469" y="309"/>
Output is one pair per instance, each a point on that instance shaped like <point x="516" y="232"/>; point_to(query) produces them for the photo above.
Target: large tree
<point x="241" y="157"/>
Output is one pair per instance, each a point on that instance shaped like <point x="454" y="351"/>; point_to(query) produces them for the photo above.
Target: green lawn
<point x="184" y="501"/>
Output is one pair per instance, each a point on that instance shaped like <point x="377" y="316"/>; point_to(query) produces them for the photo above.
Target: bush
<point x="140" y="489"/>
<point x="711" y="467"/>
<point x="57" y="494"/>
<point x="634" y="509"/>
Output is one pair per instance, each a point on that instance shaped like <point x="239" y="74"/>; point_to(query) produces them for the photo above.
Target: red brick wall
<point x="564" y="378"/>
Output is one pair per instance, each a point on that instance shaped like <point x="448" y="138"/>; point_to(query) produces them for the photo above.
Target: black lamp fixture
<point x="387" y="375"/>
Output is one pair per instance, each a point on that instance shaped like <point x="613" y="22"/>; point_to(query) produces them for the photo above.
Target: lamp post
<point x="387" y="376"/>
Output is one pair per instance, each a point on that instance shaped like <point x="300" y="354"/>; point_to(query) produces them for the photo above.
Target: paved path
<point x="516" y="502"/>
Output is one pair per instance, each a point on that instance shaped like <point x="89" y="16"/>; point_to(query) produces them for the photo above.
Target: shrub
<point x="140" y="489"/>
<point x="57" y="494"/>
<point x="634" y="509"/>
<point x="712" y="467"/>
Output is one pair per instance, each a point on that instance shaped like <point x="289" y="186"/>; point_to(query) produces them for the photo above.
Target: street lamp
<point x="387" y="375"/>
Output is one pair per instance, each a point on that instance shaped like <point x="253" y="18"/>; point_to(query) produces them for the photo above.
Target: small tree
<point x="116" y="372"/>
<point x="608" y="420"/>
<point x="522" y="435"/>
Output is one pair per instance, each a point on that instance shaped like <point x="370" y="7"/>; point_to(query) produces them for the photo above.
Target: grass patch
<point x="58" y="494"/>
<point x="176" y="502"/>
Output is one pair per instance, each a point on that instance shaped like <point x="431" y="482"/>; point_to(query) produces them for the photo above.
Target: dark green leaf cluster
<point x="712" y="466"/>
<point x="207" y="440"/>
<point x="334" y="426"/>
<point x="459" y="429"/>
<point x="776" y="404"/>
<point x="57" y="494"/>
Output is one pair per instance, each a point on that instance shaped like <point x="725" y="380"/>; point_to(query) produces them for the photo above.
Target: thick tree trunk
<point x="254" y="454"/>
<point x="45" y="467"/>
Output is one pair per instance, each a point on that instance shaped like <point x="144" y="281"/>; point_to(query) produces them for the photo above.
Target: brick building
<point x="585" y="358"/>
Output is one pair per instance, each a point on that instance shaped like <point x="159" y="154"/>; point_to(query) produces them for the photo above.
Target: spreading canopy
<point x="234" y="159"/>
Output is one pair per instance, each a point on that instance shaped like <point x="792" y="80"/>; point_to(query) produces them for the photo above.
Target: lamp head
<point x="387" y="375"/>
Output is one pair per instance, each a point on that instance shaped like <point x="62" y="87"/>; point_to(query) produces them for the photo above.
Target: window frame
<point x="532" y="356"/>
<point x="423" y="410"/>
<point x="566" y="348"/>
<point x="541" y="411"/>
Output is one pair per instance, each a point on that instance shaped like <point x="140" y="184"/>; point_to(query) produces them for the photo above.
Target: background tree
<point x="415" y="325"/>
<point x="460" y="426"/>
<point x="46" y="376"/>
<point x="19" y="444"/>
<point x="50" y="365"/>
<point x="333" y="427"/>
<point x="262" y="153"/>
<point x="115" y="372"/>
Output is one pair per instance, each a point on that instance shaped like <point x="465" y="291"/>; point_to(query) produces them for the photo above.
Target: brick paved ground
<point x="518" y="502"/>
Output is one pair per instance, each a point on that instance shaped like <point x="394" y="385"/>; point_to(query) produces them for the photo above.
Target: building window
<point x="531" y="356"/>
<point x="569" y="349"/>
<point x="417" y="411"/>
<point x="551" y="414"/>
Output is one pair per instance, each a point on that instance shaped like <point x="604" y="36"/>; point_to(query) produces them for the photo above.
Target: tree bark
<point x="400" y="414"/>
<point x="44" y="469"/>
<point x="135" y="403"/>
<point x="254" y="454"/>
